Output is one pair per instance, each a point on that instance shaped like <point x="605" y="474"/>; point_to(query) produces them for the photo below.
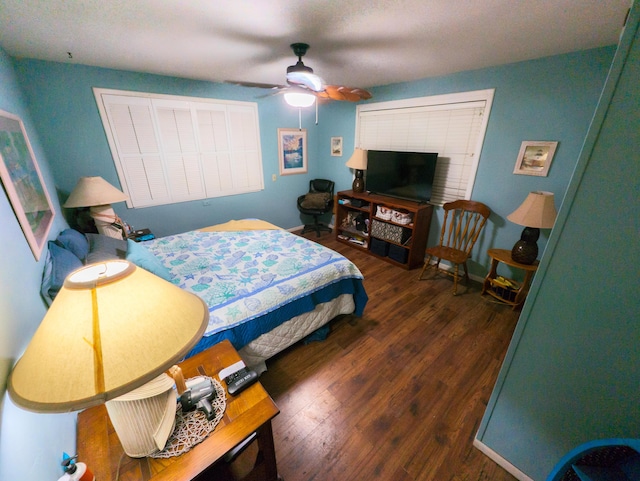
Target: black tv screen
<point x="405" y="175"/>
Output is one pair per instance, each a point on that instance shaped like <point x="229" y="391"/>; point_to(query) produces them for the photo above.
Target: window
<point x="452" y="125"/>
<point x="170" y="149"/>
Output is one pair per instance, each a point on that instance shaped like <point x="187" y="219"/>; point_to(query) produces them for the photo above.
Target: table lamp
<point x="538" y="211"/>
<point x="358" y="161"/>
<point x="113" y="328"/>
<point x="98" y="194"/>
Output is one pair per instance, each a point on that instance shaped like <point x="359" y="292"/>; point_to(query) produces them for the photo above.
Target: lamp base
<point x="358" y="182"/>
<point x="145" y="417"/>
<point x="525" y="251"/>
<point x="106" y="221"/>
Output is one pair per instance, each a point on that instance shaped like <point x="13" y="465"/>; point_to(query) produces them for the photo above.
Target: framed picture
<point x="336" y="146"/>
<point x="535" y="158"/>
<point x="23" y="183"/>
<point x="292" y="151"/>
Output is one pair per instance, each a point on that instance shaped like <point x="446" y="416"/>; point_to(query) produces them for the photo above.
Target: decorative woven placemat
<point x="192" y="427"/>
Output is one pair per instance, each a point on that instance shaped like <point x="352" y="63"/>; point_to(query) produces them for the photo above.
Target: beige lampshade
<point x="90" y="191"/>
<point x="112" y="328"/>
<point x="358" y="160"/>
<point x="537" y="210"/>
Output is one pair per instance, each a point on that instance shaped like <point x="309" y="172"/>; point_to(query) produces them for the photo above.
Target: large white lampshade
<point x="112" y="328"/>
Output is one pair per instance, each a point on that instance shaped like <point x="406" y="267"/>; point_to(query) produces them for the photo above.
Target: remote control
<point x="240" y="380"/>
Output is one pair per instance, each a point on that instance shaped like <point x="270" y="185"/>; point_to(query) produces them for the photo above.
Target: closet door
<point x="134" y="139"/>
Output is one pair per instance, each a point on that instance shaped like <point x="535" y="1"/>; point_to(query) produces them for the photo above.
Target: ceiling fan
<point x="302" y="80"/>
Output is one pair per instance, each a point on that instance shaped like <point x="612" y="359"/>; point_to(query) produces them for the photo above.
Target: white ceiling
<point x="359" y="43"/>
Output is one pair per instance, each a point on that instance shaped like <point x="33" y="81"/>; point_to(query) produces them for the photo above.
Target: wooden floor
<point x="397" y="394"/>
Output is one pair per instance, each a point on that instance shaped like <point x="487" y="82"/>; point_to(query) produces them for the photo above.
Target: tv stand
<point x="378" y="225"/>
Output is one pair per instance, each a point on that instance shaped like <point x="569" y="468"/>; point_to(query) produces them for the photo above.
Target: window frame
<point x="455" y="101"/>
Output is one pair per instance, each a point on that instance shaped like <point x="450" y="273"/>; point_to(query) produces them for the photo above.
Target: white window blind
<point x="451" y="125"/>
<point x="171" y="149"/>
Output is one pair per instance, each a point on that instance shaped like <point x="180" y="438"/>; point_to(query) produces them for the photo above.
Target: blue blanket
<point x="254" y="281"/>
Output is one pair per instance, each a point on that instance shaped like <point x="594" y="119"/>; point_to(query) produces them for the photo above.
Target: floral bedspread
<point x="243" y="275"/>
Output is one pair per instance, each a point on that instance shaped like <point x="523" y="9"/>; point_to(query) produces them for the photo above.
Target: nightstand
<point x="247" y="413"/>
<point x="513" y="296"/>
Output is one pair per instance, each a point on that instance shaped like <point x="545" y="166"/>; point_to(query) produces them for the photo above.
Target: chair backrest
<point x="462" y="224"/>
<point x="321" y="185"/>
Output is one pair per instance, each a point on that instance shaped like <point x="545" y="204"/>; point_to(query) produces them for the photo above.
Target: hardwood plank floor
<point x="397" y="394"/>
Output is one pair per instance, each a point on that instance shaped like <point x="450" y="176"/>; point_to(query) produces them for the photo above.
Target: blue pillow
<point x="140" y="256"/>
<point x="74" y="241"/>
<point x="104" y="248"/>
<point x="59" y="264"/>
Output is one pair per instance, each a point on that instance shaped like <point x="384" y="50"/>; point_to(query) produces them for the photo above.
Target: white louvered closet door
<point x="170" y="149"/>
<point x="230" y="148"/>
<point x="215" y="149"/>
<point x="180" y="148"/>
<point x="136" y="141"/>
<point x="245" y="147"/>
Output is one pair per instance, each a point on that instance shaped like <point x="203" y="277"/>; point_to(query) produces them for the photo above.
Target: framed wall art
<point x="535" y="158"/>
<point x="23" y="183"/>
<point x="336" y="146"/>
<point x="292" y="151"/>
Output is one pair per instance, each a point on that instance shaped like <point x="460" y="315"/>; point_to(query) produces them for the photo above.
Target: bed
<point x="265" y="287"/>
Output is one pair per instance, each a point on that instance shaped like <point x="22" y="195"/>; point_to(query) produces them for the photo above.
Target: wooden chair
<point x="462" y="224"/>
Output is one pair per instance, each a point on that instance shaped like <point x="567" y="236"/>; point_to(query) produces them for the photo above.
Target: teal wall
<point x="546" y="99"/>
<point x="62" y="101"/>
<point x="572" y="372"/>
<point x="32" y="442"/>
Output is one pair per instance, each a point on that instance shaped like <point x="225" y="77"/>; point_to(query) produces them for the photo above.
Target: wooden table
<point x="249" y="412"/>
<point x="519" y="294"/>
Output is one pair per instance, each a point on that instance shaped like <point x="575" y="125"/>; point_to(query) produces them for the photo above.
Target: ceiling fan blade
<point x="350" y="94"/>
<point x="257" y="85"/>
<point x="307" y="80"/>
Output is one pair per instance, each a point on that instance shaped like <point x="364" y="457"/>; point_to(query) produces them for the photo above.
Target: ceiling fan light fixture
<point x="299" y="99"/>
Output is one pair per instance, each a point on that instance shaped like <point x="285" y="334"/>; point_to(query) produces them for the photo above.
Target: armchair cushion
<point x="316" y="200"/>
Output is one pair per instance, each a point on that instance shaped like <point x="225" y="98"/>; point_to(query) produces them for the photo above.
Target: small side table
<point x="513" y="297"/>
<point x="249" y="412"/>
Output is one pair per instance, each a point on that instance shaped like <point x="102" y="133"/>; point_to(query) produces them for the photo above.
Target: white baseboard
<point x="500" y="461"/>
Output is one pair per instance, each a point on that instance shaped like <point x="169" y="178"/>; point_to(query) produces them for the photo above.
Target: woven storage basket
<point x="389" y="232"/>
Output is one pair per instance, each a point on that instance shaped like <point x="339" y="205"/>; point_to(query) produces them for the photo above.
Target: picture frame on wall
<point x="336" y="146"/>
<point x="292" y="151"/>
<point x="23" y="183"/>
<point x="535" y="158"/>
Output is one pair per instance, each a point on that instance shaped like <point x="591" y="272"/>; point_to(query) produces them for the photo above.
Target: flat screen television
<point x="405" y="175"/>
